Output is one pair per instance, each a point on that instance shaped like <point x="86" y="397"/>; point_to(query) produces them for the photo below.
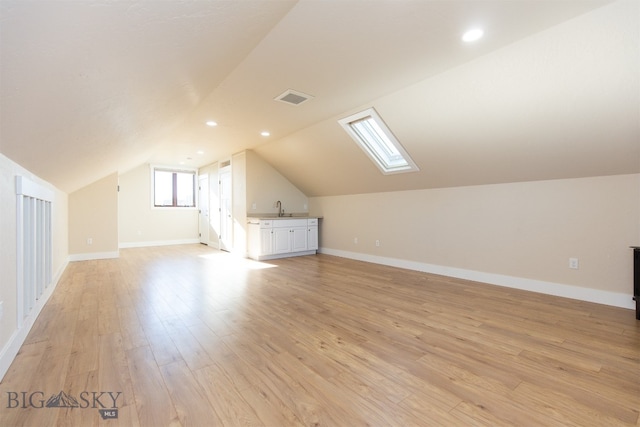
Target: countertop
<point x="287" y="216"/>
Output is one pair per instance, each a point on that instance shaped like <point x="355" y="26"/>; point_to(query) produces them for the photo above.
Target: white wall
<point x="519" y="234"/>
<point x="255" y="182"/>
<point x="10" y="337"/>
<point x="93" y="214"/>
<point x="239" y="202"/>
<point x="265" y="186"/>
<point x="141" y="225"/>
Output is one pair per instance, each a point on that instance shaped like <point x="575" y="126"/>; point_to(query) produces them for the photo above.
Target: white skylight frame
<point x="374" y="137"/>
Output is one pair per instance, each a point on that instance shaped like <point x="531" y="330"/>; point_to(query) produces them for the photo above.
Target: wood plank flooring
<point x="190" y="336"/>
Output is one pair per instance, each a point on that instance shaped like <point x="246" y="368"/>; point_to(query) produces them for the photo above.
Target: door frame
<point x="203" y="208"/>
<point x="226" y="208"/>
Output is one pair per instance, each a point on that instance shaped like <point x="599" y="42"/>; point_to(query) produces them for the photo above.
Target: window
<point x="375" y="138"/>
<point x="174" y="188"/>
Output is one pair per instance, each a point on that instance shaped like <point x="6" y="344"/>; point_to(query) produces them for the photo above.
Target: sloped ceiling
<point x="551" y="91"/>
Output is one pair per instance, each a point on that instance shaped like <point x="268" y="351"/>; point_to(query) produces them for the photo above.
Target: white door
<point x="203" y="203"/>
<point x="226" y="217"/>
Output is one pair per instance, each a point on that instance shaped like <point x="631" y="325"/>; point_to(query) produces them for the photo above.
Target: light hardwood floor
<point x="191" y="336"/>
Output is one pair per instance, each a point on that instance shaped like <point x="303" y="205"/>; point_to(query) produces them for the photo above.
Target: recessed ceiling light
<point x="472" y="35"/>
<point x="200" y="152"/>
<point x="265" y="133"/>
<point x="211" y="123"/>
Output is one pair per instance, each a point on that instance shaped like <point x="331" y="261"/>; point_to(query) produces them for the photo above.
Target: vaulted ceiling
<point x="95" y="87"/>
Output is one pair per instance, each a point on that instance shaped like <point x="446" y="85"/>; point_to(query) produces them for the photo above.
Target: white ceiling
<point x="94" y="87"/>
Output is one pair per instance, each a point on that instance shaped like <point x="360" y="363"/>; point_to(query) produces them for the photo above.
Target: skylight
<point x="375" y="138"/>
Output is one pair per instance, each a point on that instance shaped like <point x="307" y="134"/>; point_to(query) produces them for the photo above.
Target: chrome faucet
<point x="279" y="206"/>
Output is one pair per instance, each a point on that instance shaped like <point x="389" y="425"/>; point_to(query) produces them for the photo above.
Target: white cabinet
<point x="312" y="233"/>
<point x="259" y="238"/>
<point x="266" y="241"/>
<point x="281" y="240"/>
<point x="289" y="239"/>
<point x="299" y="239"/>
<point x="282" y="237"/>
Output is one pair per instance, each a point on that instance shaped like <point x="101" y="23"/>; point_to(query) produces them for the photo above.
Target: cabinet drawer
<point x="288" y="223"/>
<point x="312" y="221"/>
<point x="266" y="223"/>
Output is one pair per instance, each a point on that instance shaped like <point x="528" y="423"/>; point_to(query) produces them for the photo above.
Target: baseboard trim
<point x="278" y="256"/>
<point x="213" y="245"/>
<point x="549" y="288"/>
<point x="94" y="255"/>
<point x="124" y="245"/>
<point x="10" y="350"/>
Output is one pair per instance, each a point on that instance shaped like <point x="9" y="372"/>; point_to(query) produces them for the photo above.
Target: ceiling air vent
<point x="293" y="97"/>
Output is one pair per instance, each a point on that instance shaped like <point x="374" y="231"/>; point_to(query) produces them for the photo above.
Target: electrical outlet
<point x="90" y="241"/>
<point x="355" y="240"/>
<point x="377" y="242"/>
<point x="573" y="263"/>
<point x="254" y="206"/>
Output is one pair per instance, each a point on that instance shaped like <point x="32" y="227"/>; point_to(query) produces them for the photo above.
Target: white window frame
<point x="384" y="139"/>
<point x="152" y="196"/>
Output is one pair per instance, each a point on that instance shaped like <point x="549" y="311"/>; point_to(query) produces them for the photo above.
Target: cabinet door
<point x="266" y="244"/>
<point x="253" y="240"/>
<point x="299" y="239"/>
<point x="312" y="238"/>
<point x="281" y="240"/>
